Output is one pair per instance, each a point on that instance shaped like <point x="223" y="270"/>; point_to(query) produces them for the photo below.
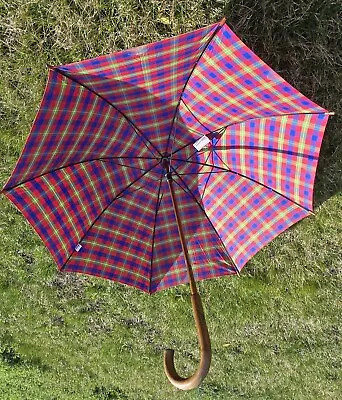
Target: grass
<point x="275" y="330"/>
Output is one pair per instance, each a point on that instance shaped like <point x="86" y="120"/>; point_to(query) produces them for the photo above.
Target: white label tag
<point x="78" y="247"/>
<point x="200" y="143"/>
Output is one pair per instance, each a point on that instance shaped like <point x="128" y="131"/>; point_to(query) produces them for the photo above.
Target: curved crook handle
<point x="205" y="348"/>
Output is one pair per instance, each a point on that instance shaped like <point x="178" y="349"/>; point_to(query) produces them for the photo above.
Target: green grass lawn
<point x="275" y="330"/>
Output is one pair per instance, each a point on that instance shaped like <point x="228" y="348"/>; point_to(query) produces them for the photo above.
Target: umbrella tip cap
<point x="222" y="22"/>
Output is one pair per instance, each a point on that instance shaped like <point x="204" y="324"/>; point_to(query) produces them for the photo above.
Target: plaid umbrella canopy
<point x="188" y="152"/>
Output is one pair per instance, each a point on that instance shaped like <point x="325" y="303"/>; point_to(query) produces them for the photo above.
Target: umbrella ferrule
<point x="166" y="164"/>
<point x="168" y="176"/>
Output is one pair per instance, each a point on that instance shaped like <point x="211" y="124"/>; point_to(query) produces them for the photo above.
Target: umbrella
<point x="168" y="163"/>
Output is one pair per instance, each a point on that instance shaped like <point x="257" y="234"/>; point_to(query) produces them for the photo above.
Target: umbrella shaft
<point x="192" y="282"/>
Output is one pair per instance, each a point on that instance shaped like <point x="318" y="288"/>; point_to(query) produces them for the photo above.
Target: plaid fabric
<point x="90" y="178"/>
<point x="245" y="214"/>
<point x="74" y="125"/>
<point x="231" y="84"/>
<point x="145" y="83"/>
<point x="279" y="152"/>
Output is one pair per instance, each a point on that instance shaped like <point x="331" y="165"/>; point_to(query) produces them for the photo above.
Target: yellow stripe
<point x="266" y="226"/>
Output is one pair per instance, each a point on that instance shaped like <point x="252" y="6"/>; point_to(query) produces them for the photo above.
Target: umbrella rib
<point x="202" y="173"/>
<point x="206" y="162"/>
<point x="200" y="163"/>
<point x="194" y="162"/>
<point x="222" y="128"/>
<point x="251" y="147"/>
<point x="271" y="149"/>
<point x="219" y="26"/>
<point x="123" y="165"/>
<point x="135" y="128"/>
<point x="70" y="165"/>
<point x="189" y="191"/>
<point x="207" y="180"/>
<point x="268" y="116"/>
<point x="188" y="144"/>
<point x="244" y="176"/>
<point x="103" y="211"/>
<point x="134" y="190"/>
<point x="265" y="186"/>
<point x="273" y="190"/>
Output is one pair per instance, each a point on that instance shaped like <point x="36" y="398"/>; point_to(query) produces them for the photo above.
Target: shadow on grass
<point x="301" y="41"/>
<point x="329" y="177"/>
<point x="13" y="359"/>
<point x="104" y="393"/>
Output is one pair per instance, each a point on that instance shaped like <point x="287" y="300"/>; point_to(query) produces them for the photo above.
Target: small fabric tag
<point x="200" y="143"/>
<point x="78" y="247"/>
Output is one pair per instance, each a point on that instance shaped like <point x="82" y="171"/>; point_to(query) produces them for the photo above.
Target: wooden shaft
<point x="192" y="281"/>
<point x="201" y="326"/>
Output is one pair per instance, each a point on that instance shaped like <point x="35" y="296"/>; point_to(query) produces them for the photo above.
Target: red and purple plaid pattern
<point x="90" y="178"/>
<point x="146" y="82"/>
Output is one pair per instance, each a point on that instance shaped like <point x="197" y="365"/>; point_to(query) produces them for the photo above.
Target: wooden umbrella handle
<point x="205" y="350"/>
<point x="201" y="326"/>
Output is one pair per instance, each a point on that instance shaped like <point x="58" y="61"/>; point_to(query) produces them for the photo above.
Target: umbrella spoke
<point x="271" y="149"/>
<point x="280" y="114"/>
<point x="134" y="190"/>
<point x="123" y="165"/>
<point x="135" y="128"/>
<point x="273" y="190"/>
<point x="218" y="27"/>
<point x="119" y="195"/>
<point x="265" y="186"/>
<point x="202" y="173"/>
<point x="200" y="163"/>
<point x="187" y="190"/>
<point x="104" y="159"/>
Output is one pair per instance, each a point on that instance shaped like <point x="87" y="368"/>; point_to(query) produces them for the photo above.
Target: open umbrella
<point x="168" y="163"/>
